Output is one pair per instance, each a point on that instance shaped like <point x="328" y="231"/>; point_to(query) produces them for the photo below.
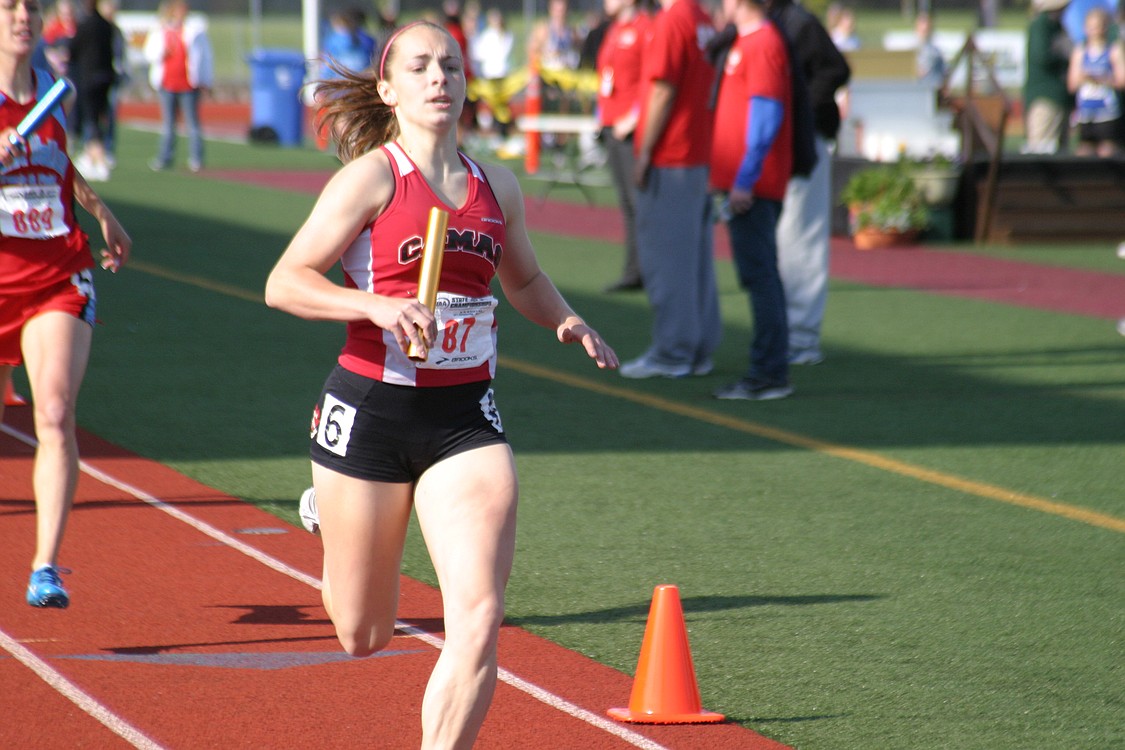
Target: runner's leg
<point x="467" y="510"/>
<point x="362" y="528"/>
<point x="56" y="347"/>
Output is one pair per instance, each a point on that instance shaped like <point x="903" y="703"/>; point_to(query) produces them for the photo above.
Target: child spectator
<point x="1097" y="70"/>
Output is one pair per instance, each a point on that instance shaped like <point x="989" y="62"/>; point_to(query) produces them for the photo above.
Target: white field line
<point x="76" y="695"/>
<point x="540" y="694"/>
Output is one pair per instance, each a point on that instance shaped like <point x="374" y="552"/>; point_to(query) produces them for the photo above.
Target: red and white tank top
<point x="386" y="259"/>
<point x="41" y="243"/>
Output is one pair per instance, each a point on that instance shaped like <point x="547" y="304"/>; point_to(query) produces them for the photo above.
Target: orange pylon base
<point x="703" y="717"/>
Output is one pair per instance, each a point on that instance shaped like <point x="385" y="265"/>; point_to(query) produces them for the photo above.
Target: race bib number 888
<point x="31" y="211"/>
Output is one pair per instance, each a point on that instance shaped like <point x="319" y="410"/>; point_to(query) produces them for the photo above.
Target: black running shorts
<point x="370" y="430"/>
<point x="1096" y="132"/>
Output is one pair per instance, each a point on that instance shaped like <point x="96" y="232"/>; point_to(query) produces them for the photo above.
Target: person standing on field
<point x="751" y="163"/>
<point x="1047" y="102"/>
<point x="619" y="63"/>
<point x="345" y="44"/>
<point x="47" y="300"/>
<point x="553" y="43"/>
<point x="674" y="233"/>
<point x="391" y="434"/>
<point x="181" y="68"/>
<point x="1095" y="76"/>
<point x="803" y="230"/>
<point x="93" y="70"/>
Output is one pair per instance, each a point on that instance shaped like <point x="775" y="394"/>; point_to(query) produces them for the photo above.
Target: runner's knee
<point x="475" y="628"/>
<point x="364" y="638"/>
<point x="364" y="643"/>
<point x="54" y="419"/>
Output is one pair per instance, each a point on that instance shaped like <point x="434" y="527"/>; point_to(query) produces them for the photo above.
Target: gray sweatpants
<point x="675" y="248"/>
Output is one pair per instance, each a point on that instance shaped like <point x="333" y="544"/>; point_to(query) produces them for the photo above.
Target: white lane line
<point x="77" y="696"/>
<point x="540" y="694"/>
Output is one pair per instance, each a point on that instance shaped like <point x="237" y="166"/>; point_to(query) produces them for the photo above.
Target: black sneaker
<point x="752" y="389"/>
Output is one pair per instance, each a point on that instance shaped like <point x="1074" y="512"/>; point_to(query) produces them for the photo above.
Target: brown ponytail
<point x="351" y="110"/>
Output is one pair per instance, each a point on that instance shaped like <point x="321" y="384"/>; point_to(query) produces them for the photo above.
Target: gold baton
<point x="430" y="272"/>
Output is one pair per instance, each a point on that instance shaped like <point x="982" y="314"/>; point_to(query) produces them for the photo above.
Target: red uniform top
<point x="675" y="55"/>
<point x="175" y="62"/>
<point x="41" y="243"/>
<point x="620" y="60"/>
<point x="386" y="259"/>
<point x="757" y="66"/>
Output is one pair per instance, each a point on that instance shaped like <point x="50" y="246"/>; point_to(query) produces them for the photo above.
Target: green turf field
<point x="889" y="559"/>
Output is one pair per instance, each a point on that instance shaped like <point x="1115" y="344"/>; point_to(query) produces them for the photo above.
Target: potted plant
<point x="885" y="207"/>
<point x="936" y="177"/>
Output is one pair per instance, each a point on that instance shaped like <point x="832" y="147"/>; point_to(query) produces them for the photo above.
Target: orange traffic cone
<point x="664" y="689"/>
<point x="11" y="398"/>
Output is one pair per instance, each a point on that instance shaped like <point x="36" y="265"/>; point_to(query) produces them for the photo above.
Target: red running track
<point x="196" y="623"/>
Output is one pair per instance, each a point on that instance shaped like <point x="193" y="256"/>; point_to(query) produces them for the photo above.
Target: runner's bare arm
<point x="353" y="198"/>
<point x="118" y="244"/>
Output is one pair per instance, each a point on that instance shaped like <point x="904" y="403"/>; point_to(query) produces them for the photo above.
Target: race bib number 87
<point x="464" y="332"/>
<point x="31" y="211"/>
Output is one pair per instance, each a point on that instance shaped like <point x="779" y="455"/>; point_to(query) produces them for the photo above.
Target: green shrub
<point x="884" y="197"/>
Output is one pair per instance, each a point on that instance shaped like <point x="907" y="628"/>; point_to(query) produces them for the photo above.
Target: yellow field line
<point x="200" y="281"/>
<point x="857" y="455"/>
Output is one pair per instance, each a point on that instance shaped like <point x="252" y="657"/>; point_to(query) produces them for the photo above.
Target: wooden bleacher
<point x="1057" y="198"/>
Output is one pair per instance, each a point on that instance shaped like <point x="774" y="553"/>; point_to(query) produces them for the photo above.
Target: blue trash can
<point x="276" y="77"/>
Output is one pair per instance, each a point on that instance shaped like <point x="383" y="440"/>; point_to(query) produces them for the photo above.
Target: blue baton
<point x="41" y="111"/>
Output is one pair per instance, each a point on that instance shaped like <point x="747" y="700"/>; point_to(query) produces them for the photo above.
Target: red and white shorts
<point x="75" y="297"/>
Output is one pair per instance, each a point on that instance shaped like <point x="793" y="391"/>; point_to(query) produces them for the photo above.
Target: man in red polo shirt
<point x="674" y="243"/>
<point x="751" y="162"/>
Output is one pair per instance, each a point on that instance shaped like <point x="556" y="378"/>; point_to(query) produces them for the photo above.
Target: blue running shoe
<point x="45" y="589"/>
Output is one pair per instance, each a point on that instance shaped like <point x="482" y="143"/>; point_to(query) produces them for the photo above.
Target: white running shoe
<point x="83" y="164"/>
<point x="805" y="357"/>
<point x="702" y="368"/>
<point x="97" y="173"/>
<point x="310" y="517"/>
<point x="643" y="367"/>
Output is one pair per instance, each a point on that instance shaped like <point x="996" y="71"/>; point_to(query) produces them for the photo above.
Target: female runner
<point x="46" y="289"/>
<point x="390" y="434"/>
